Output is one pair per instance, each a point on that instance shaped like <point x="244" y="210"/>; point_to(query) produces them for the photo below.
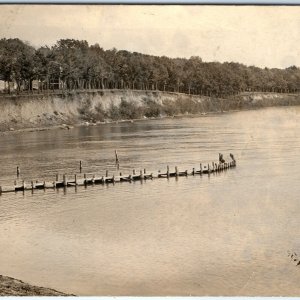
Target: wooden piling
<point x="80" y="166"/>
<point x="106" y="173"/>
<point x="20" y="185"/>
<point x="18" y="172"/>
<point x="117" y="158"/>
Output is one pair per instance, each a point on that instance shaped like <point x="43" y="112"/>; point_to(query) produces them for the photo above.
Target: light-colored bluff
<point x="36" y="110"/>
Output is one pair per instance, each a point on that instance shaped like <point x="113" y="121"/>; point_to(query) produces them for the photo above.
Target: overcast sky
<point x="253" y="35"/>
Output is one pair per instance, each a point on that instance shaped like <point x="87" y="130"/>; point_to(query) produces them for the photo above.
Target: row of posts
<point x="210" y="169"/>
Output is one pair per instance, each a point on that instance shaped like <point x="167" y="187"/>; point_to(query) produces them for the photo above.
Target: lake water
<point x="227" y="234"/>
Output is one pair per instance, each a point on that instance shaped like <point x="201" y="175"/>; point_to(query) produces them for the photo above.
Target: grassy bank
<point x="13" y="287"/>
<point x="36" y="111"/>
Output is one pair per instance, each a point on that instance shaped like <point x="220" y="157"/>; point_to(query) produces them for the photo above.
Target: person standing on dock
<point x="221" y="159"/>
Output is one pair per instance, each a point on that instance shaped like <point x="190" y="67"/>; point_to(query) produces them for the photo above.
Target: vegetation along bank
<point x="85" y="107"/>
<point x="72" y="82"/>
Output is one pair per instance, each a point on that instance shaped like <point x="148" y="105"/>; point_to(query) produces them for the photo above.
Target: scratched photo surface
<point x="149" y="150"/>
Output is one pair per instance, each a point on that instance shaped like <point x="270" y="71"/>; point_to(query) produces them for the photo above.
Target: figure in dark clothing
<point x="232" y="157"/>
<point x="221" y="159"/>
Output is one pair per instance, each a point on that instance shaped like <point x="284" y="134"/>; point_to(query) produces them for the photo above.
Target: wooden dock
<point x="87" y="179"/>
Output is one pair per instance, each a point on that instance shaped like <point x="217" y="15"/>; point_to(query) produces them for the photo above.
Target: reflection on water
<point x="227" y="234"/>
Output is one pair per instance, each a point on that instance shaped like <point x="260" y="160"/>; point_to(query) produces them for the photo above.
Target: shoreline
<point x="72" y="125"/>
<point x="10" y="286"/>
<point x="42" y="112"/>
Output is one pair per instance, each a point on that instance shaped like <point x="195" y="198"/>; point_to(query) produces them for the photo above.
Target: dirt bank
<point x="43" y="111"/>
<point x="13" y="287"/>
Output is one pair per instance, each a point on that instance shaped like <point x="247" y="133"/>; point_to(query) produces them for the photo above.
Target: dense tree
<point x="17" y="62"/>
<point x="74" y="64"/>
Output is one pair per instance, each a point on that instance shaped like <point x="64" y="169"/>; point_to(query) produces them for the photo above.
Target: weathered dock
<point x="65" y="180"/>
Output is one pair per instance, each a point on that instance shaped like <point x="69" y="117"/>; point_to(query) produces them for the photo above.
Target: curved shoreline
<point x="42" y="112"/>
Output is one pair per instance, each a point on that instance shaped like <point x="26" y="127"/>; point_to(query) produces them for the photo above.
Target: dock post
<point x="93" y="179"/>
<point x="0" y="190"/>
<point x="193" y="172"/>
<point x="15" y="182"/>
<point x="113" y="179"/>
<point x="213" y="166"/>
<point x="168" y="172"/>
<point x="32" y="186"/>
<point x="106" y="173"/>
<point x="24" y="186"/>
<point x="133" y="171"/>
<point x="120" y="173"/>
<point x="144" y="171"/>
<point x="117" y="158"/>
<point x="75" y="179"/>
<point x="141" y="174"/>
<point x="208" y="168"/>
<point x="65" y="180"/>
<point x="200" y="168"/>
<point x="80" y="166"/>
<point x="176" y="171"/>
<point x="18" y="172"/>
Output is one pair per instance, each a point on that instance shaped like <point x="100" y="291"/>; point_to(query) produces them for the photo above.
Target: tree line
<point x="74" y="64"/>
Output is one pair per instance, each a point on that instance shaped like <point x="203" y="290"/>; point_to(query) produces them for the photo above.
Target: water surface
<point x="227" y="234"/>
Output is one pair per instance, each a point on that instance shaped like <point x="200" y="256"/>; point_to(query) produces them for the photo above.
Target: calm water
<point x="227" y="234"/>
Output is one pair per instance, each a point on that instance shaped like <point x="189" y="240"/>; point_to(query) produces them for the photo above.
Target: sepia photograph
<point x="149" y="150"/>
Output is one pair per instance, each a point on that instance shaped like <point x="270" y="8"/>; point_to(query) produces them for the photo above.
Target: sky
<point x="264" y="36"/>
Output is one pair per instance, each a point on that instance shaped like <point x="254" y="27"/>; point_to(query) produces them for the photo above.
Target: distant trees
<point x="17" y="62"/>
<point x="74" y="64"/>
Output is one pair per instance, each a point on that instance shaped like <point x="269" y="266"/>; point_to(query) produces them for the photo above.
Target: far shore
<point x="90" y="124"/>
<point x="109" y="107"/>
<point x="69" y="126"/>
